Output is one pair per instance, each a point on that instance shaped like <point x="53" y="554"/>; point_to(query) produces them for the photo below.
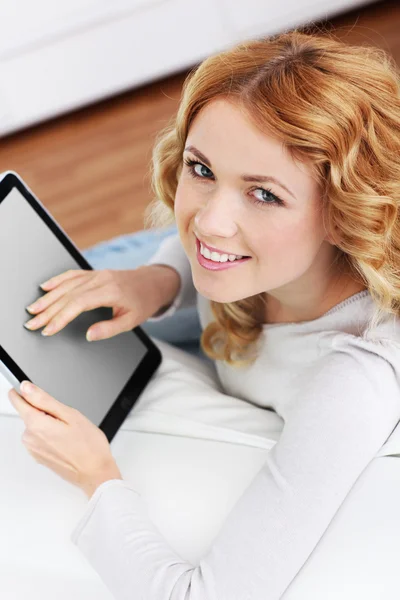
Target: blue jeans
<point x="131" y="250"/>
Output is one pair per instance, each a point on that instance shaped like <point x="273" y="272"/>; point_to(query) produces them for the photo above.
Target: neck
<point x="345" y="287"/>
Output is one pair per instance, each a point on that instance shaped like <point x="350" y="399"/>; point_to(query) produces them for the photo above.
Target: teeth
<point x="216" y="257"/>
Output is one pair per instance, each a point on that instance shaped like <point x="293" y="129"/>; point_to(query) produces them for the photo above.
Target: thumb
<point x="107" y="329"/>
<point x="41" y="400"/>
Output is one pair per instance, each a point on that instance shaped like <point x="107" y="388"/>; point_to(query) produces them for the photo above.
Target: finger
<point x="101" y="296"/>
<point x="107" y="329"/>
<point x="57" y="279"/>
<point x="60" y="298"/>
<point x="45" y="317"/>
<point x="25" y="410"/>
<point x="48" y="299"/>
<point x="40" y="400"/>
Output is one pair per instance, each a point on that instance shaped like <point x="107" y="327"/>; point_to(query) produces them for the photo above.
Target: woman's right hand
<point x="134" y="295"/>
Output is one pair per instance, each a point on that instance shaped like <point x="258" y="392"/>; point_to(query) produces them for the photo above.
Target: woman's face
<point x="240" y="216"/>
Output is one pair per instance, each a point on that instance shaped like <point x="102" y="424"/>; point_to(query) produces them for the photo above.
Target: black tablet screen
<point x="86" y="375"/>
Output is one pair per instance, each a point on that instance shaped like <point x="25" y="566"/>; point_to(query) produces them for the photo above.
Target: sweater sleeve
<point x="340" y="418"/>
<point x="171" y="253"/>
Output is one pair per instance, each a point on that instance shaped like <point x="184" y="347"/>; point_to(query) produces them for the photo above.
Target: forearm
<point x="167" y="285"/>
<point x="173" y="264"/>
<point x="108" y="472"/>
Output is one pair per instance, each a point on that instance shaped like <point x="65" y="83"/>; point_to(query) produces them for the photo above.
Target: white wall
<point x="59" y="55"/>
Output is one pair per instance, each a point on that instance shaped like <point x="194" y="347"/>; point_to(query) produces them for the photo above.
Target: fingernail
<point x="44" y="284"/>
<point x="47" y="330"/>
<point x="89" y="336"/>
<point x="26" y="387"/>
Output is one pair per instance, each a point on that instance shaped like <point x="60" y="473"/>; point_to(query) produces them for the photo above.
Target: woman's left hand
<point x="64" y="440"/>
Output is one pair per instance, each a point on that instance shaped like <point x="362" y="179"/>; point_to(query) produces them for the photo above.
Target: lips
<point x="211" y="249"/>
<point x="211" y="265"/>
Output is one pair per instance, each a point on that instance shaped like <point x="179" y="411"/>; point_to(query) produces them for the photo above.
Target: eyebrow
<point x="245" y="177"/>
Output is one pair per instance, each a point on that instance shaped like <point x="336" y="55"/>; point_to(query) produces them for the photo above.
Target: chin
<point x="222" y="298"/>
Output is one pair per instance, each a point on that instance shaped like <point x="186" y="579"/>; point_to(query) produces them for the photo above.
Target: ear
<point x="330" y="240"/>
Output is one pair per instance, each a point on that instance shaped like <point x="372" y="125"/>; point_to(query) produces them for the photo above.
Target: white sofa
<point x="71" y="53"/>
<point x="178" y="452"/>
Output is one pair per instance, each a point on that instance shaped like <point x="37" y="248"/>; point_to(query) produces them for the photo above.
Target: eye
<point x="192" y="164"/>
<point x="266" y="194"/>
<point x="264" y="197"/>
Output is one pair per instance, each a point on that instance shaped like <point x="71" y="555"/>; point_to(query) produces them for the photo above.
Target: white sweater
<point x="338" y="395"/>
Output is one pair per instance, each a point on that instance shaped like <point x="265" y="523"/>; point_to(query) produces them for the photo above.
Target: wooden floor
<point x="91" y="168"/>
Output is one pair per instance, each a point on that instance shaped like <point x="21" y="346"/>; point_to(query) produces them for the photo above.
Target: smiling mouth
<point x="220" y="251"/>
<point x="214" y="265"/>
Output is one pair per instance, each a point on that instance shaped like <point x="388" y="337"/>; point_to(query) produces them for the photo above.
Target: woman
<point x="283" y="167"/>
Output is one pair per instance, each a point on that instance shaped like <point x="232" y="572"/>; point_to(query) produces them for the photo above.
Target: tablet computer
<point x="102" y="379"/>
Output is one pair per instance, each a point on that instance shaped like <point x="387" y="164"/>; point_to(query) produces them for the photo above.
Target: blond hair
<point x="332" y="105"/>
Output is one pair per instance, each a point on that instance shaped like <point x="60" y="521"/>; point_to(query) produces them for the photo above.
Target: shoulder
<point x="375" y="353"/>
<point x="359" y="370"/>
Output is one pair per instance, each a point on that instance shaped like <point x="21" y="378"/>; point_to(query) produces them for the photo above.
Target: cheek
<point x="185" y="204"/>
<point x="178" y="203"/>
<point x="290" y="248"/>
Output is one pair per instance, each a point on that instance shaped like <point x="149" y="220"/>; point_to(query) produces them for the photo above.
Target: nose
<point x="216" y="218"/>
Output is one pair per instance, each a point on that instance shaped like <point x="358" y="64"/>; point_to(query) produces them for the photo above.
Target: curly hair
<point x="332" y="105"/>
